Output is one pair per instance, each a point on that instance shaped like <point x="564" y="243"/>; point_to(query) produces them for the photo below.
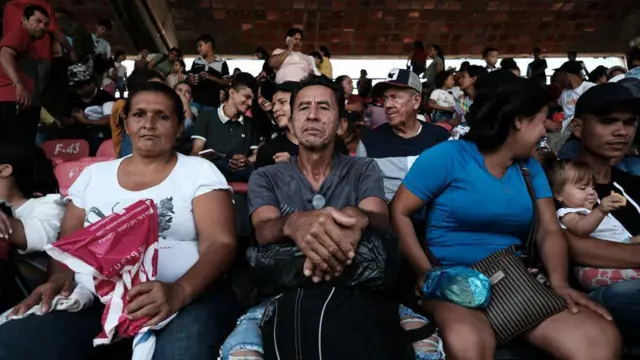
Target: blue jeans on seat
<point x="622" y="299"/>
<point x="197" y="332"/>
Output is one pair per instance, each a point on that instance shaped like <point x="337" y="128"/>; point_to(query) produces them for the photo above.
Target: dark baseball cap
<point x="601" y="99"/>
<point x="398" y="78"/>
<point x="571" y="67"/>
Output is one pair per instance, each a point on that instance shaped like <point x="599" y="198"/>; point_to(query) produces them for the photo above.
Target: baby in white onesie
<point x="573" y="187"/>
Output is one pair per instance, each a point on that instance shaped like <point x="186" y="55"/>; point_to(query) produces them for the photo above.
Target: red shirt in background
<point x="419" y="56"/>
<point x="26" y="63"/>
<point x="12" y="20"/>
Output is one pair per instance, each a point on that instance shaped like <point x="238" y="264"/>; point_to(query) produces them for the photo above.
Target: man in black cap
<point x="576" y="86"/>
<point x="605" y="122"/>
<point x="88" y="111"/>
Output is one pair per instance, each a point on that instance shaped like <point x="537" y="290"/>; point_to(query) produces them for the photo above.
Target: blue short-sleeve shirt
<point x="472" y="213"/>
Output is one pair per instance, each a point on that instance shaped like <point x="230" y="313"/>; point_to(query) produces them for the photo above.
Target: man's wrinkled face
<point x="36" y="25"/>
<point x="400" y="105"/>
<point x="315" y="117"/>
<point x="607" y="136"/>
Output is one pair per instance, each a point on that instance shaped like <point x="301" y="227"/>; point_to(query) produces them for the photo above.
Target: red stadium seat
<point x="445" y="125"/>
<point x="106" y="150"/>
<point x="239" y="187"/>
<point x="68" y="172"/>
<point x="66" y="149"/>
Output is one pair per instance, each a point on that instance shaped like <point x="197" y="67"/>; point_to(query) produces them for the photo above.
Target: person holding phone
<point x="228" y="132"/>
<point x="290" y="64"/>
<point x="208" y="75"/>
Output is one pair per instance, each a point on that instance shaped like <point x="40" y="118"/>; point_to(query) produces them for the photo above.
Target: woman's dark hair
<point x="159" y="88"/>
<point x="184" y="66"/>
<point x="32" y="170"/>
<point x="418" y="45"/>
<point x="320" y="81"/>
<point x="325" y="51"/>
<point x="338" y="81"/>
<point x="597" y="73"/>
<point x="494" y="111"/>
<point x="439" y="53"/>
<point x="316" y="55"/>
<point x="260" y="50"/>
<point x="141" y="76"/>
<point x="509" y="64"/>
<point x="293" y="31"/>
<point x="476" y="71"/>
<point x="441" y="78"/>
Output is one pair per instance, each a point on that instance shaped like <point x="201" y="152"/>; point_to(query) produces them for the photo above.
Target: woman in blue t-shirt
<point x="478" y="204"/>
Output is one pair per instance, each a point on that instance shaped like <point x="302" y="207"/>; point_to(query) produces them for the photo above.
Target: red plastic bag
<point x="120" y="251"/>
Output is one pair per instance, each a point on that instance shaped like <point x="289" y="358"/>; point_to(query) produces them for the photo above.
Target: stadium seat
<point x="68" y="172"/>
<point x="239" y="187"/>
<point x="66" y="149"/>
<point x="445" y="125"/>
<point x="106" y="150"/>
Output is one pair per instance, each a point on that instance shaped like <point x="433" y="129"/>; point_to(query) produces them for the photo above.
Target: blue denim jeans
<point x="247" y="334"/>
<point x="197" y="332"/>
<point x="622" y="299"/>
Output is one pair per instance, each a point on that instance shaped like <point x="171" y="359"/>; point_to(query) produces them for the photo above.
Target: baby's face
<point x="578" y="196"/>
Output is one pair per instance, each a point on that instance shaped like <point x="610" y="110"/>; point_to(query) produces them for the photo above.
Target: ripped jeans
<point x="245" y="342"/>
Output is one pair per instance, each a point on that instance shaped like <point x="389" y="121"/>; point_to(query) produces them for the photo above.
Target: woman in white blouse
<point x="197" y="244"/>
<point x="290" y="64"/>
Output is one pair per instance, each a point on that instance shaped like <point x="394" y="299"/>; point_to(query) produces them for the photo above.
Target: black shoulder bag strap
<point x="529" y="248"/>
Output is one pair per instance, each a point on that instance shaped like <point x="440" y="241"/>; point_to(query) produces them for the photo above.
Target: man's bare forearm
<point x="271" y="231"/>
<point x="592" y="252"/>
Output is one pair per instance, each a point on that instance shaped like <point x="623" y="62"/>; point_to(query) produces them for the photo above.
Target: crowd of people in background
<point x="433" y="156"/>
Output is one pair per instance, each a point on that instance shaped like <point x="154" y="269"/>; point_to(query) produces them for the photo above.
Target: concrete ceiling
<point x="369" y="27"/>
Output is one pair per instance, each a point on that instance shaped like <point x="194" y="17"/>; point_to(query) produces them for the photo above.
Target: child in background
<point x="109" y="82"/>
<point x="177" y="75"/>
<point x="573" y="187"/>
<point x="183" y="89"/>
<point x="121" y="72"/>
<point x="441" y="101"/>
<point x="490" y="56"/>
